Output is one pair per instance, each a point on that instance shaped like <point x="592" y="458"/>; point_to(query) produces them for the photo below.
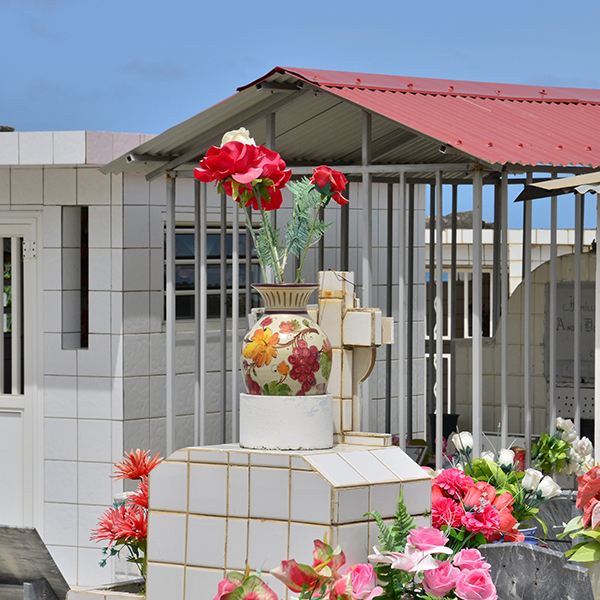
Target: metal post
<point x="223" y="314"/>
<point x="367" y="246"/>
<point x="496" y="293"/>
<point x="235" y="321"/>
<point x="439" y="323"/>
<point x="527" y="325"/>
<point x="552" y="318"/>
<point x="452" y="303"/>
<point x="597" y="343"/>
<point x="577" y="312"/>
<point x="504" y="310"/>
<point x="170" y="310"/>
<point x="16" y="282"/>
<point x="199" y="324"/>
<point x="388" y="303"/>
<point x="410" y="300"/>
<point x="430" y="314"/>
<point x="404" y="400"/>
<point x="477" y="347"/>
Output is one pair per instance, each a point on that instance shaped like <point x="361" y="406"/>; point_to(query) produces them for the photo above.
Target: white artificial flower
<point x="548" y="488"/>
<point x="584" y="447"/>
<point x="487" y="455"/>
<point x="238" y="135"/>
<point x="462" y="441"/>
<point x="506" y="457"/>
<point x="531" y="480"/>
<point x="567" y="429"/>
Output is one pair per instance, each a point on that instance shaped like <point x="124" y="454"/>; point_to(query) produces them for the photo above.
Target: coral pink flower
<point x="504" y="504"/>
<point x="140" y="497"/>
<point x="426" y="539"/>
<point x="485" y="520"/>
<point x="475" y="584"/>
<point x="589" y="486"/>
<point x="468" y="559"/>
<point x="364" y="582"/>
<point x="453" y="482"/>
<point x="438" y="582"/>
<point x="445" y="511"/>
<point x="136" y="465"/>
<point x="479" y="494"/>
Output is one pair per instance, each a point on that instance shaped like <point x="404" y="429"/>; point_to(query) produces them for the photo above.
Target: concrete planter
<point x="127" y="590"/>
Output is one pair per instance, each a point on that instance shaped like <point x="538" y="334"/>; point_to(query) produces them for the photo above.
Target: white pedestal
<point x="286" y="422"/>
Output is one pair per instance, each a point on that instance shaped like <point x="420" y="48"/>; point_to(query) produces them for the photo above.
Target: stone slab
<point x="524" y="571"/>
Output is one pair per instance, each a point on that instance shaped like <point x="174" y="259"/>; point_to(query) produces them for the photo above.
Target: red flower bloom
<point x="445" y="511"/>
<point x="129" y="522"/>
<point x="324" y="176"/>
<point x="234" y="159"/>
<point x="453" y="482"/>
<point x="485" y="520"/>
<point x="480" y="494"/>
<point x="589" y="486"/>
<point x="140" y="498"/>
<point x="136" y="465"/>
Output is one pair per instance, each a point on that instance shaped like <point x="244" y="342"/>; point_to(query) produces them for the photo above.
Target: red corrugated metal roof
<point x="499" y="123"/>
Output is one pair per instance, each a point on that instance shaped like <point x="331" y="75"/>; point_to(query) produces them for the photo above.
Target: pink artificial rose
<point x="469" y="559"/>
<point x="445" y="511"/>
<point x="440" y="581"/>
<point x="453" y="482"/>
<point x="475" y="584"/>
<point x="426" y="538"/>
<point x="364" y="582"/>
<point x="485" y="520"/>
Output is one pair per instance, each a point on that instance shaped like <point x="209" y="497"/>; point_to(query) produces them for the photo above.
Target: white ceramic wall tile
<point x="116" y="343"/>
<point x="165" y="581"/>
<point x="237" y="543"/>
<point x="69" y="147"/>
<point x="277" y="586"/>
<point x="357" y="329"/>
<point x="136" y="354"/>
<point x="158" y="191"/>
<point x="168" y="487"/>
<point x="354" y="540"/>
<point x="136" y="227"/>
<point x="384" y="499"/>
<point x="167" y="542"/>
<point x="417" y="496"/>
<point x="94" y="440"/>
<point x="238" y="491"/>
<point x="156" y="311"/>
<point x="116" y="312"/>
<point x="99" y="312"/>
<point x="158" y="394"/>
<point x="66" y="560"/>
<point x="88" y="569"/>
<point x="88" y="516"/>
<point x="330" y="319"/>
<point x="136" y="312"/>
<point x="300" y="464"/>
<point x="302" y="539"/>
<point x="136" y="397"/>
<point x="335" y="469"/>
<point x="92" y="187"/>
<point x="94" y="483"/>
<point x="100" y="269"/>
<point x="35" y="148"/>
<point x="400" y="464"/>
<point x="99" y="227"/>
<point x="116" y="280"/>
<point x="9" y="148"/>
<point x="208" y="489"/>
<point x="267" y="544"/>
<point x="157" y="269"/>
<point x="239" y="458"/>
<point x="52" y="225"/>
<point x="269" y="460"/>
<point x="202" y="584"/>
<point x="116" y="395"/>
<point x="99" y="147"/>
<point x="203" y="455"/>
<point x="136" y="433"/>
<point x="60" y="396"/>
<point x="117" y="443"/>
<point x="4" y="185"/>
<point x="60" y="481"/>
<point x="311" y="498"/>
<point x="372" y="469"/>
<point x="96" y="359"/>
<point x="94" y="397"/>
<point x="206" y="541"/>
<point x="352" y="504"/>
<point x="60" y="188"/>
<point x="26" y="186"/>
<point x="117" y="189"/>
<point x="60" y="439"/>
<point x="136" y="189"/>
<point x="136" y="269"/>
<point x="422" y="521"/>
<point x="52" y="269"/>
<point x="269" y="493"/>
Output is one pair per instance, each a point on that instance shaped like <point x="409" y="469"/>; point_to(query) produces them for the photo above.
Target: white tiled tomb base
<point x="219" y="508"/>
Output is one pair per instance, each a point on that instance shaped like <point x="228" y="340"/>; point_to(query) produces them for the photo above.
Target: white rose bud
<point x="548" y="488"/>
<point x="531" y="479"/>
<point x="584" y="447"/>
<point x="462" y="441"/>
<point x="487" y="455"/>
<point x="506" y="457"/>
<point x="238" y="135"/>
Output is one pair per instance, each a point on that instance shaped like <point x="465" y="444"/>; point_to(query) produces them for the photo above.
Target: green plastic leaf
<point x="584" y="552"/>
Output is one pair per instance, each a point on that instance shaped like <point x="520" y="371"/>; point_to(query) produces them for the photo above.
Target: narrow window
<point x="75" y="277"/>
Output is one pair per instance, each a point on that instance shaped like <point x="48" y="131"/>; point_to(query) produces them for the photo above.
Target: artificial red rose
<point x="326" y="175"/>
<point x="234" y="159"/>
<point x="504" y="504"/>
<point x="480" y="493"/>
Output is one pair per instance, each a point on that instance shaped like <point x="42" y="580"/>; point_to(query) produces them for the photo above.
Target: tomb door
<point x="21" y="440"/>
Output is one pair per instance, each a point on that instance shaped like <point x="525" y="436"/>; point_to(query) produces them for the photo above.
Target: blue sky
<point x="142" y="67"/>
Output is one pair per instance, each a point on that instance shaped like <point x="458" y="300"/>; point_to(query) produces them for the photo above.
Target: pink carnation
<point x="438" y="582"/>
<point x="475" y="585"/>
<point x="469" y="559"/>
<point x="445" y="511"/>
<point x="426" y="538"/>
<point x="454" y="482"/>
<point x="485" y="520"/>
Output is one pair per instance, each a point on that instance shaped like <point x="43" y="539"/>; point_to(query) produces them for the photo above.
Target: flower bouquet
<point x="125" y="525"/>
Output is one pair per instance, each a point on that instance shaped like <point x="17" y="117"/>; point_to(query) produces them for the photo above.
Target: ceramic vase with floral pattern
<point x="286" y="353"/>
